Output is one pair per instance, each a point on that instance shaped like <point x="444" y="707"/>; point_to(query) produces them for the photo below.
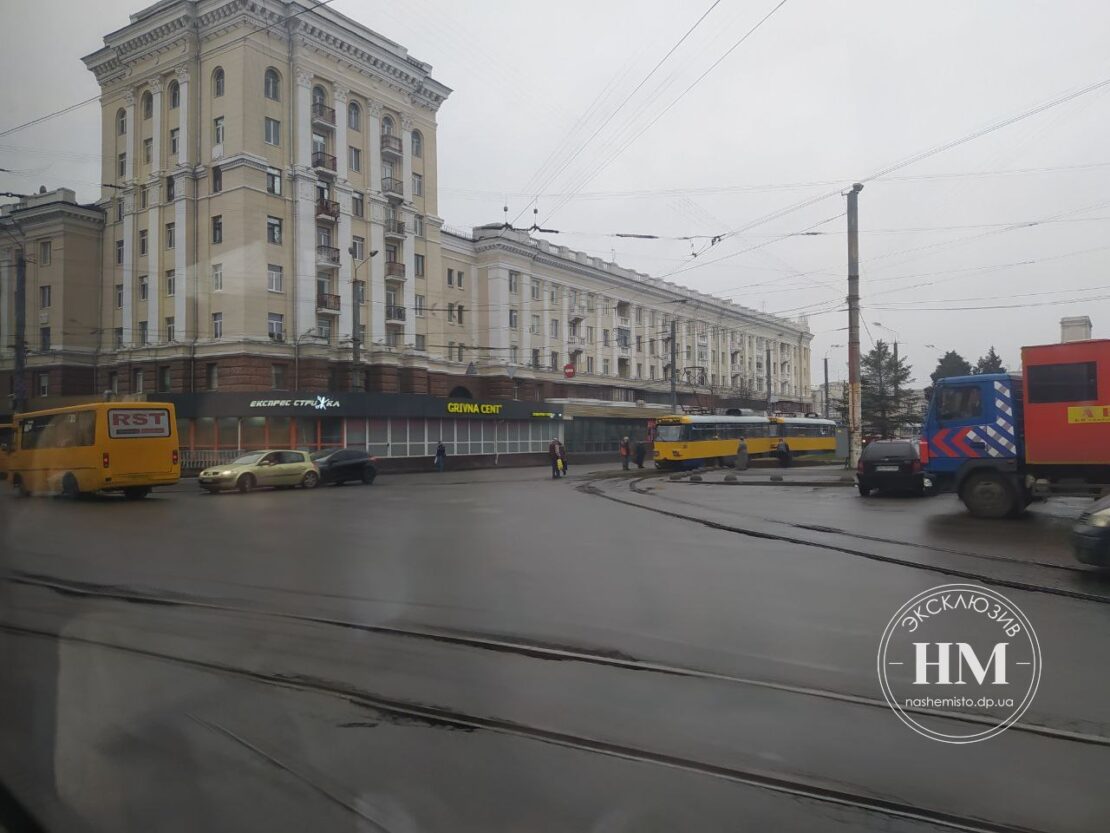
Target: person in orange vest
<point x="626" y="450"/>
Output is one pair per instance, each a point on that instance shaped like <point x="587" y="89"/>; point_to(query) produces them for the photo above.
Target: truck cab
<point x="972" y="442"/>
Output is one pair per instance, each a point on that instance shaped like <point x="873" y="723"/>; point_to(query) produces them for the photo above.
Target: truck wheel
<point x="990" y="494"/>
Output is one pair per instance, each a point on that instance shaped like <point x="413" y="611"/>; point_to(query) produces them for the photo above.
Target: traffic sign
<point x="568" y="370"/>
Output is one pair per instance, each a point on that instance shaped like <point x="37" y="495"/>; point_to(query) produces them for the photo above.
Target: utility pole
<point x="855" y="415"/>
<point x="357" y="298"/>
<point x="674" y="362"/>
<point x="826" y="387"/>
<point x="19" y="400"/>
<point x="770" y="395"/>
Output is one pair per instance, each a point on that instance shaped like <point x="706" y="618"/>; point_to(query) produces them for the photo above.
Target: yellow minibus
<point x="127" y="447"/>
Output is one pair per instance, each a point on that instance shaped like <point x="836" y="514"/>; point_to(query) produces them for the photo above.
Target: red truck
<point x="1001" y="439"/>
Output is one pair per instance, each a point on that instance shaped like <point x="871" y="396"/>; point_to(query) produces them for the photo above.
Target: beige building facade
<point x="269" y="221"/>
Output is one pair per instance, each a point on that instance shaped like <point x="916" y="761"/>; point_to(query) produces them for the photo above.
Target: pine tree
<point x="950" y="364"/>
<point x="990" y="363"/>
<point x="885" y="395"/>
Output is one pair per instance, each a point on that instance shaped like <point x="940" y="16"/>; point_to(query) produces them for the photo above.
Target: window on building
<point x="450" y="277"/>
<point x="417" y="185"/>
<point x="175" y="95"/>
<point x="273" y="230"/>
<point x="273" y="131"/>
<point x="274" y="278"/>
<point x="113" y="381"/>
<point x="418" y="306"/>
<point x="171" y="282"/>
<point x="451" y="313"/>
<point x="460" y="349"/>
<point x="535" y="358"/>
<point x="651" y="346"/>
<point x="143" y="197"/>
<point x="211" y="376"/>
<point x="354" y="159"/>
<point x="218" y="130"/>
<point x="169" y="328"/>
<point x="119" y="211"/>
<point x="121" y="164"/>
<point x="163" y="378"/>
<point x="589" y="364"/>
<point x="144" y="332"/>
<point x="218" y="229"/>
<point x="272" y="85"/>
<point x="275" y="326"/>
<point x="537" y="289"/>
<point x="514" y="282"/>
<point x="514" y="319"/>
<point x="459" y="313"/>
<point x="605" y="367"/>
<point x="277" y="376"/>
<point x="217" y="325"/>
<point x="639" y="371"/>
<point x="217" y="82"/>
<point x="148" y="105"/>
<point x="535" y="327"/>
<point x="119" y="337"/>
<point x="217" y="277"/>
<point x="639" y="344"/>
<point x="459" y="278"/>
<point x="44" y="296"/>
<point x="354" y="116"/>
<point x="358" y="245"/>
<point x="421" y="342"/>
<point x="217" y="180"/>
<point x="119" y="251"/>
<point x="323" y="327"/>
<point x="171" y="235"/>
<point x="554" y="359"/>
<point x="171" y="188"/>
<point x="417" y="144"/>
<point x="42" y="384"/>
<point x="175" y="142"/>
<point x="148" y="151"/>
<point x="273" y="181"/>
<point x="358" y="205"/>
<point x="44" y="339"/>
<point x="554" y="331"/>
<point x="1073" y="382"/>
<point x="143" y="290"/>
<point x="514" y="354"/>
<point x="418" y="265"/>
<point x="121" y="122"/>
<point x="45" y="253"/>
<point x="589" y="335"/>
<point x="119" y="296"/>
<point x="142" y="241"/>
<point x="604" y="338"/>
<point x="418" y="225"/>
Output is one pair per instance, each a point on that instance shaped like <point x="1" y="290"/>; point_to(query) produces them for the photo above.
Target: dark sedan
<point x="890" y="465"/>
<point x="1090" y="537"/>
<point x="341" y="465"/>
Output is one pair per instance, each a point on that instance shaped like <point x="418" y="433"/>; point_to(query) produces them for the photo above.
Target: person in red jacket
<point x="626" y="450"/>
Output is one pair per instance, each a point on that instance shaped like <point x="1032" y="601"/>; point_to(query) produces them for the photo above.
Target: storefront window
<point x="183" y="437"/>
<point x="306" y="433"/>
<point x="279" y="432"/>
<point x="253" y="432"/>
<point x="204" y="433"/>
<point x="331" y="432"/>
<point x="462" y="436"/>
<point x="417" y="439"/>
<point x="228" y="431"/>
<point x="398" y="438"/>
<point x="378" y="437"/>
<point x="356" y="432"/>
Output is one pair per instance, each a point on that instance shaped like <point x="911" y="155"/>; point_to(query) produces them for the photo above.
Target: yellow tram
<point x="690" y="441"/>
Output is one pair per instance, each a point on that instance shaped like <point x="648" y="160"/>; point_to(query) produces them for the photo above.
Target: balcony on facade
<point x="391" y="146"/>
<point x="395" y="229"/>
<point x="327" y="210"/>
<point x="323" y="162"/>
<point x="327" y="256"/>
<point x="394" y="269"/>
<point x="394" y="314"/>
<point x="393" y="187"/>
<point x="322" y="114"/>
<point x="326" y="302"/>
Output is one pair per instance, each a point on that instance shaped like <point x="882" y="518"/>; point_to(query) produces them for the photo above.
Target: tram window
<point x="668" y="433"/>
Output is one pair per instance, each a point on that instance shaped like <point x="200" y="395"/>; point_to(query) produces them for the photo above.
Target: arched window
<point x="175" y="95"/>
<point x="460" y="392"/>
<point x="417" y="144"/>
<point x="217" y="82"/>
<point x="148" y="105"/>
<point x="273" y="85"/>
<point x="319" y="96"/>
<point x="387" y="126"/>
<point x="354" y="116"/>
<point x="121" y="122"/>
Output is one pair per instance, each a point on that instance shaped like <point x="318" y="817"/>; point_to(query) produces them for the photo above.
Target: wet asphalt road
<point x="496" y="651"/>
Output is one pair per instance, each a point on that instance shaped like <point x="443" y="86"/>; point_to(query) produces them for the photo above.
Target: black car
<point x="890" y="465"/>
<point x="1090" y="537"/>
<point x="340" y="465"/>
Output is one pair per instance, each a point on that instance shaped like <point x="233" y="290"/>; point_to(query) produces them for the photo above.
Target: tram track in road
<point x="546" y="651"/>
<point x="436" y="716"/>
<point x="591" y="488"/>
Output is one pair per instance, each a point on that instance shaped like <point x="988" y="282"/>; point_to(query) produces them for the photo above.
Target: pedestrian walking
<point x="625" y="452"/>
<point x="782" y="451"/>
<point x="641" y="452"/>
<point x="441" y="456"/>
<point x="741" y="461"/>
<point x="556" y="453"/>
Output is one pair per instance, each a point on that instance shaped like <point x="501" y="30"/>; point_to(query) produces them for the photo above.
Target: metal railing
<point x="394" y="313"/>
<point x="392" y="144"/>
<point x="328" y="254"/>
<point x="395" y="228"/>
<point x="393" y="269"/>
<point x="329" y="208"/>
<point x="325" y="300"/>
<point x="392" y="185"/>
<point x="323" y="113"/>
<point x="323" y="160"/>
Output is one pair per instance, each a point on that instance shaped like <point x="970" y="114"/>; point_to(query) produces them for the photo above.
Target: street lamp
<point x="356" y="316"/>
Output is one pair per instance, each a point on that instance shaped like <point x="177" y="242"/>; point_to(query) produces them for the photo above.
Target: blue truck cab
<point x="972" y="442"/>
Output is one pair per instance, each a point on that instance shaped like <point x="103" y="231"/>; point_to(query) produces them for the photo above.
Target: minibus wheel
<point x="136" y="492"/>
<point x="20" y="489"/>
<point x="70" y="489"/>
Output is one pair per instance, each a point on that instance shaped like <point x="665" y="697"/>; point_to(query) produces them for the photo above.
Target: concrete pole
<point x="855" y="415"/>
<point x="19" y="400"/>
<point x="770" y="395"/>
<point x="826" y="387"/>
<point x="674" y="362"/>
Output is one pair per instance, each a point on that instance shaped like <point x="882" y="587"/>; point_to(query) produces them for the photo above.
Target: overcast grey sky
<point x="824" y="93"/>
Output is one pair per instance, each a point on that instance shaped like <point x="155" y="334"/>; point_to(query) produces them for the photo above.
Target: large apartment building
<point x="269" y="222"/>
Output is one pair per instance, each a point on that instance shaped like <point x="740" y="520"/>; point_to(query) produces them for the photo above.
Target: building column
<point x="181" y="249"/>
<point x="375" y="327"/>
<point x="183" y="155"/>
<point x="130" y="329"/>
<point x="154" y="267"/>
<point x="340" y="98"/>
<point x="374" y="126"/>
<point x="406" y="152"/>
<point x="345" y="287"/>
<point x="304" y="229"/>
<point x="156" y="126"/>
<point x="409" y="289"/>
<point x="301" y="133"/>
<point x="132" y="136"/>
